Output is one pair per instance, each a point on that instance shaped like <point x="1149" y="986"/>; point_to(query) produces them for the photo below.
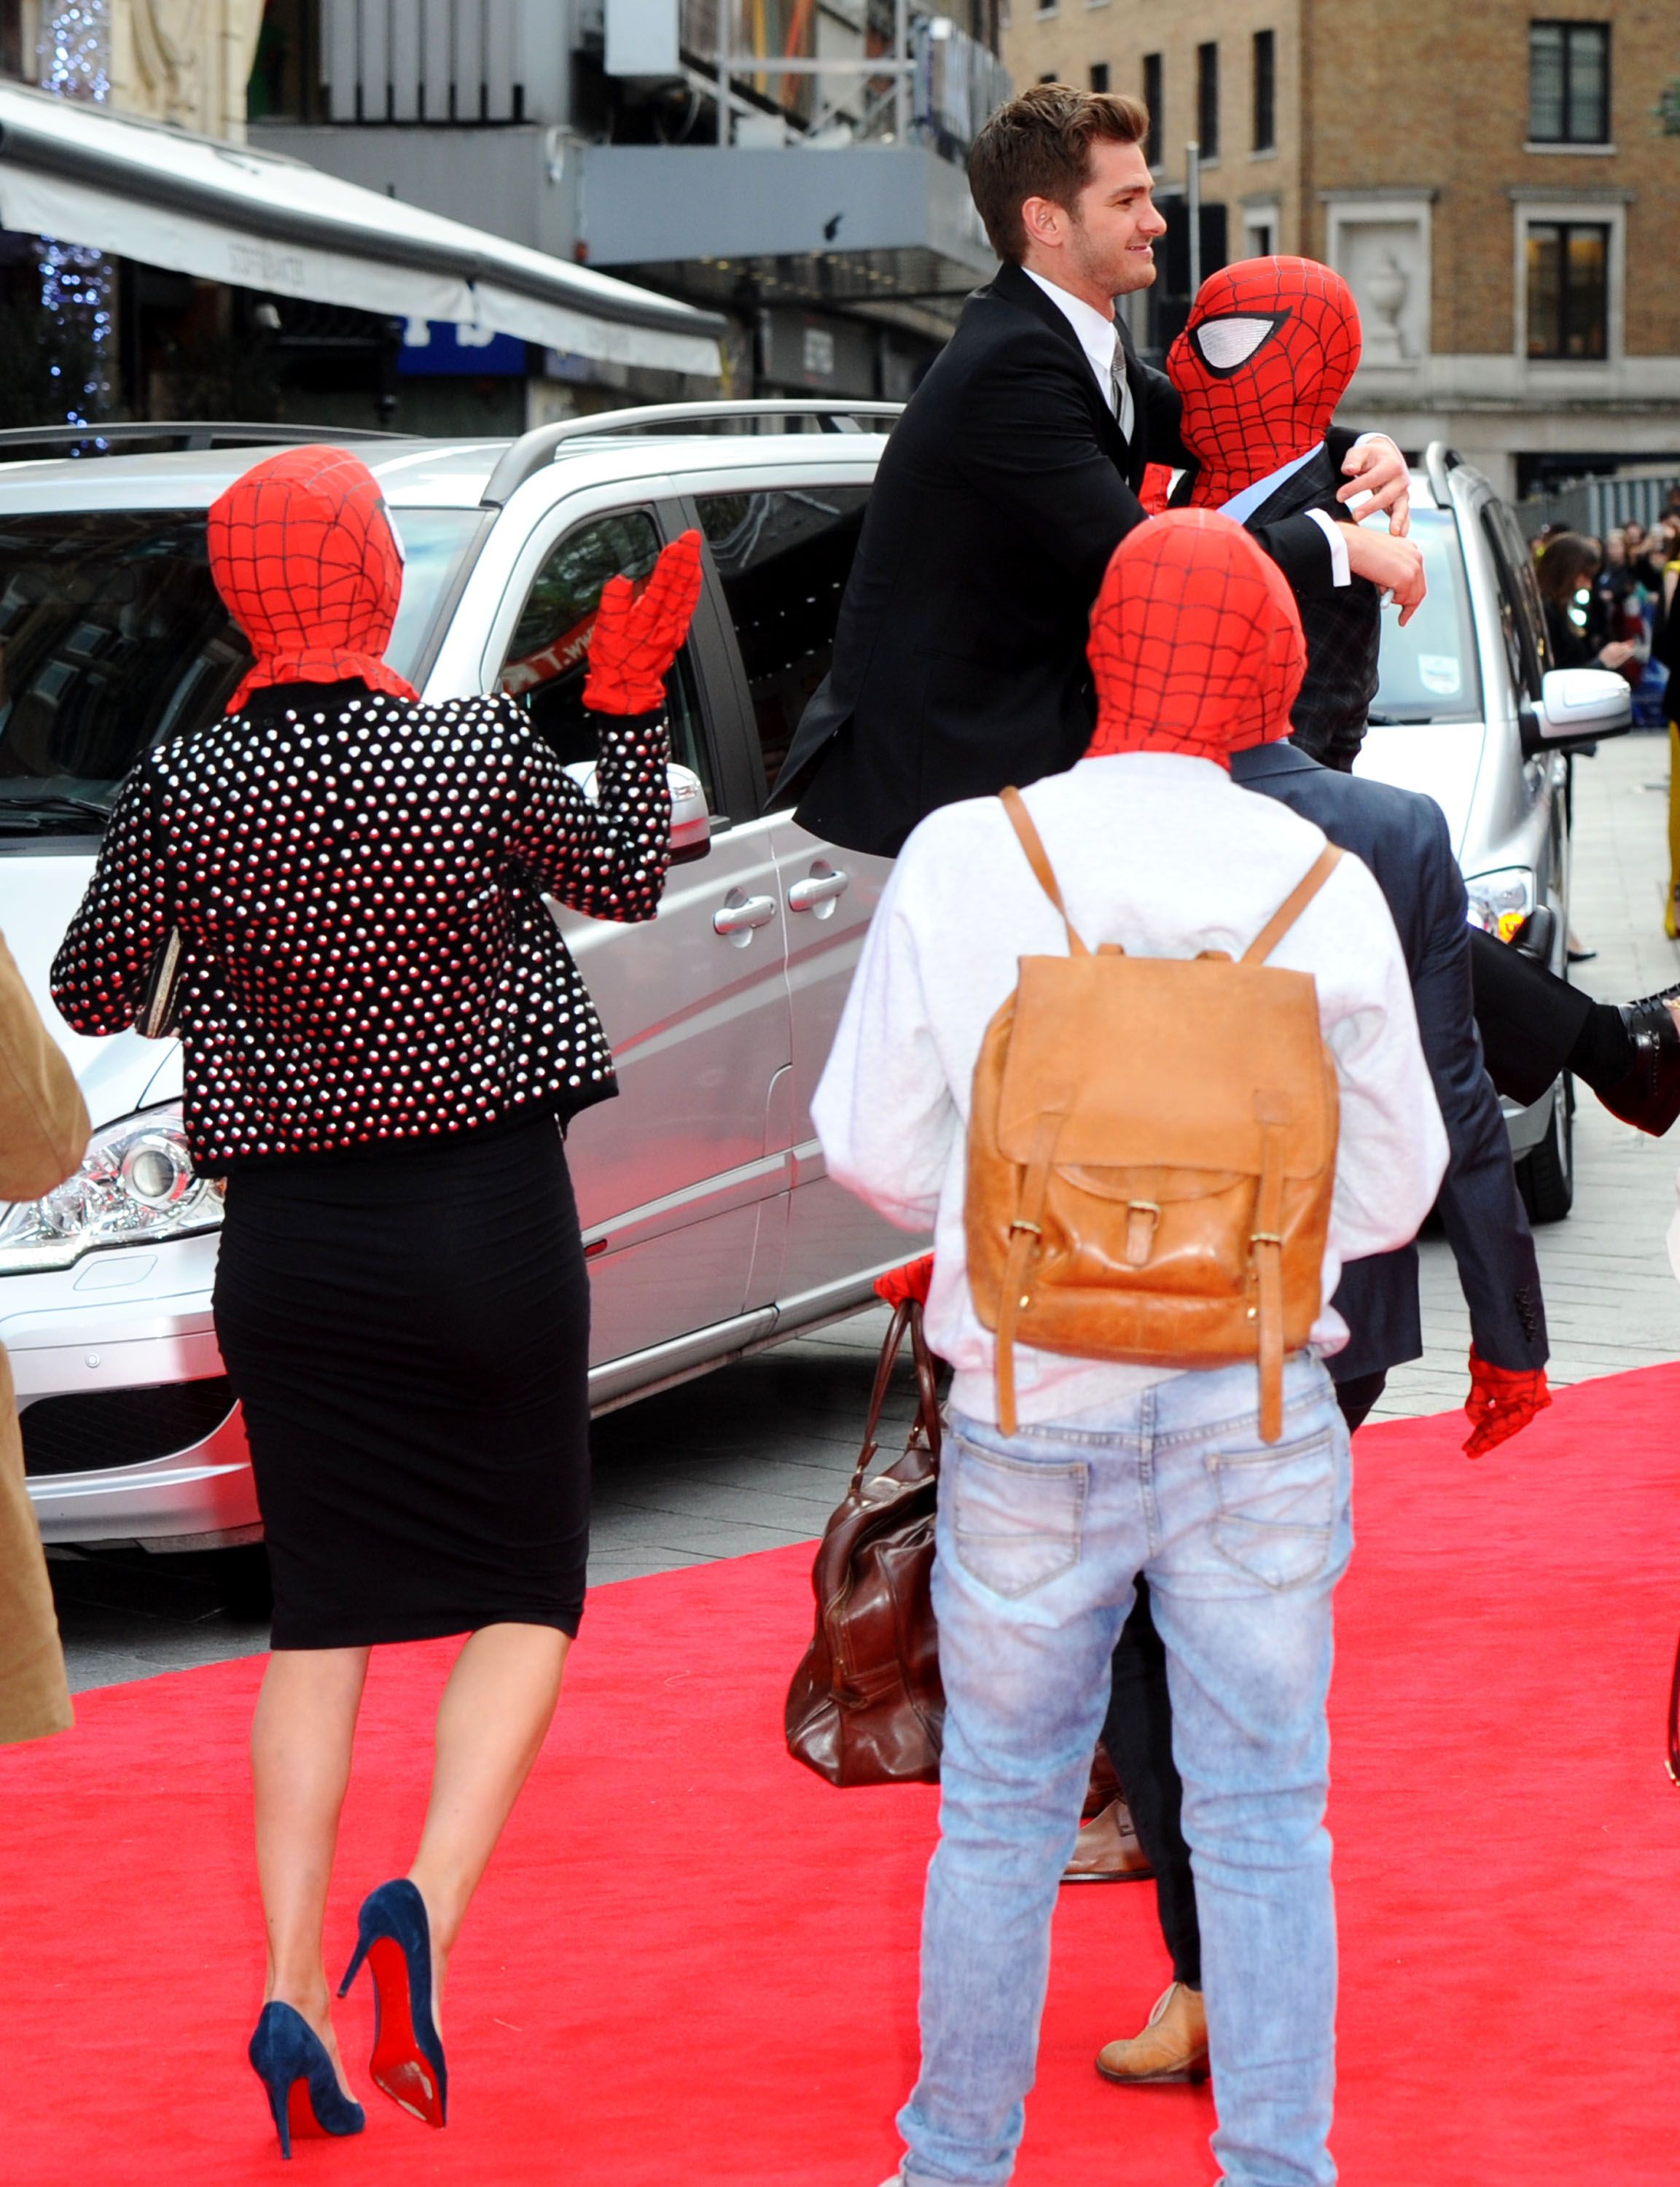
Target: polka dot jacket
<point x="359" y="882"/>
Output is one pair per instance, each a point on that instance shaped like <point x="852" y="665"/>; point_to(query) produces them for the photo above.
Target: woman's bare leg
<point x="490" y="1723"/>
<point x="301" y="1740"/>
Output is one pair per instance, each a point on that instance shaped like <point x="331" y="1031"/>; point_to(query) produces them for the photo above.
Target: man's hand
<point x="1501" y="1403"/>
<point x="1393" y="565"/>
<point x="1376" y="468"/>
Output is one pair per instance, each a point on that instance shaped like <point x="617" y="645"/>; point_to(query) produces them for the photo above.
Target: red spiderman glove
<point x="909" y="1282"/>
<point x="1501" y="1403"/>
<point x="1156" y="489"/>
<point x="638" y="635"/>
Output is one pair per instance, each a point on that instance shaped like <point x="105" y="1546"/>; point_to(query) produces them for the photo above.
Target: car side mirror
<point x="690" y="819"/>
<point x="1577" y="706"/>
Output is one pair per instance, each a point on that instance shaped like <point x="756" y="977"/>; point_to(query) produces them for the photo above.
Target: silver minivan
<point x="711" y="1228"/>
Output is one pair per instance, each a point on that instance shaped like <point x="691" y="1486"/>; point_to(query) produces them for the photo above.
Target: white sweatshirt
<point x="1166" y="855"/>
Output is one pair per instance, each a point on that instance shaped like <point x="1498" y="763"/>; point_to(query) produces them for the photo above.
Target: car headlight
<point x="1500" y="902"/>
<point x="135" y="1187"/>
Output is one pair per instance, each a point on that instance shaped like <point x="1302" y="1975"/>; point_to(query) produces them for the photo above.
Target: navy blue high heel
<point x="291" y="2062"/>
<point x="395" y="1937"/>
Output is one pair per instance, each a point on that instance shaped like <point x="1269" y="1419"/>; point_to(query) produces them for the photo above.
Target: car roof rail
<point x="1438" y="460"/>
<point x="534" y="451"/>
<point x="192" y="434"/>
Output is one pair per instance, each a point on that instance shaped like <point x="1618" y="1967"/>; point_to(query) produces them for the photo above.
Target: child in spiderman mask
<point x="1269" y="349"/>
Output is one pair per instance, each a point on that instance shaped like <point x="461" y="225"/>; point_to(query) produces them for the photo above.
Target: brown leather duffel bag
<point x="866" y="1705"/>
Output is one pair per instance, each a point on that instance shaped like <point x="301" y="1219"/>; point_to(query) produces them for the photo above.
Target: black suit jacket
<point x="1403" y="839"/>
<point x="959" y="658"/>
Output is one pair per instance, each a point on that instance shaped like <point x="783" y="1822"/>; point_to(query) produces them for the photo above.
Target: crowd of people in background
<point x="1607" y="603"/>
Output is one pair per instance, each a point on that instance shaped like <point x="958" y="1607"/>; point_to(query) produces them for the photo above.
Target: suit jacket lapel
<point x="1299" y="491"/>
<point x="1016" y="287"/>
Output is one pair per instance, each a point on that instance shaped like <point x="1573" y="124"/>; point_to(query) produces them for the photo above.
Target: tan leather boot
<point x="1172" y="2047"/>
<point x="1108" y="1850"/>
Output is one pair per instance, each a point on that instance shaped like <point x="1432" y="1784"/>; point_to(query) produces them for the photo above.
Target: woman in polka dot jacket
<point x="384" y="1034"/>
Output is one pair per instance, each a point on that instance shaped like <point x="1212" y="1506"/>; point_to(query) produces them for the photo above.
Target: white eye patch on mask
<point x="1224" y="343"/>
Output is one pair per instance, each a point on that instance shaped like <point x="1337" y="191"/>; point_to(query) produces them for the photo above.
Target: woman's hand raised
<point x="638" y="635"/>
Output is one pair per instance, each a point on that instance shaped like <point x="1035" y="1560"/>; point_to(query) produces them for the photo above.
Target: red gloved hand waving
<point x="638" y="635"/>
<point x="1501" y="1403"/>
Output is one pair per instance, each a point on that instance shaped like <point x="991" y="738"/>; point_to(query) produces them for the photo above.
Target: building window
<point x="1207" y="100"/>
<point x="1152" y="99"/>
<point x="1567" y="266"/>
<point x="1099" y="76"/>
<point x="1569" y="83"/>
<point x="1266" y="91"/>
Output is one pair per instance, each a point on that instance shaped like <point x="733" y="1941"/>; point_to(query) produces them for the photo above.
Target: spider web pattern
<point x="303" y="554"/>
<point x="1244" y="423"/>
<point x="1196" y="643"/>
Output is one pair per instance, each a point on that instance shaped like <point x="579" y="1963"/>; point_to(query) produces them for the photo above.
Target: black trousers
<point x="1530" y="1020"/>
<point x="1138" y="1732"/>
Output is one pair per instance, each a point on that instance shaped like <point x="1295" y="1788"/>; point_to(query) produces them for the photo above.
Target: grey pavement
<point x="758" y="1454"/>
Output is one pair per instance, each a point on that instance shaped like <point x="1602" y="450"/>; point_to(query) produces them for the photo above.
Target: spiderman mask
<point x="1267" y="352"/>
<point x="305" y="558"/>
<point x="1196" y="644"/>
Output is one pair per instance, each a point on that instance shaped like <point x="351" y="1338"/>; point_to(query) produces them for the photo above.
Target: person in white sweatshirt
<point x="1115" y="1469"/>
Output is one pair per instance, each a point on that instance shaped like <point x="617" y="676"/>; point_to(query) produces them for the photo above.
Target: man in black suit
<point x="959" y="658"/>
<point x="1403" y="839"/>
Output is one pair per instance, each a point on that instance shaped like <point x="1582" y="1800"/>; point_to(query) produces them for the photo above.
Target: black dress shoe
<point x="1649" y="1094"/>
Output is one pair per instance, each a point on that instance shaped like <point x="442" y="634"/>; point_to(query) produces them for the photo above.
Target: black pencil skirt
<point x="408" y="1332"/>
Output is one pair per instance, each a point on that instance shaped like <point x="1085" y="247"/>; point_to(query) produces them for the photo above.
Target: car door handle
<point x="740" y="914"/>
<point x="822" y="887"/>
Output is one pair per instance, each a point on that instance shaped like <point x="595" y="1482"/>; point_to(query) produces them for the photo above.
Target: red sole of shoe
<point x="397" y="2065"/>
<point x="300" y="2114"/>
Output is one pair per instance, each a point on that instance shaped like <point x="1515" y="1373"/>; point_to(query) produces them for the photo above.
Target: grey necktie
<point x="1125" y="409"/>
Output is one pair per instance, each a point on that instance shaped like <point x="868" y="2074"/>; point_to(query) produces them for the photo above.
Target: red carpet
<point x="694" y="1965"/>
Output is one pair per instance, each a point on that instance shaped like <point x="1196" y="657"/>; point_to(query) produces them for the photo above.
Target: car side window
<point x="547" y="656"/>
<point x="783" y="554"/>
<point x="1522" y="620"/>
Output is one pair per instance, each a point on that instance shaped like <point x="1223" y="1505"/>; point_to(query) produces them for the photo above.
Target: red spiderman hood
<point x="1195" y="641"/>
<point x="303" y="552"/>
<point x="1267" y="352"/>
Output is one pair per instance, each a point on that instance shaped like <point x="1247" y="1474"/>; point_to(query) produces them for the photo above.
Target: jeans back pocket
<point x="1017" y="1525"/>
<point x="1277" y="1508"/>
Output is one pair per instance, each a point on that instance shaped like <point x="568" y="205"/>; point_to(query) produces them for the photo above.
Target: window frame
<point x="1154" y="101"/>
<point x="731" y="671"/>
<point x="1207" y="100"/>
<point x="653" y="498"/>
<point x="1263" y="112"/>
<point x="1568" y="26"/>
<point x="1541" y="208"/>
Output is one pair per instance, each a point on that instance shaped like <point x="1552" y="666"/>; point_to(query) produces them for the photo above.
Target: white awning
<point x="259" y="221"/>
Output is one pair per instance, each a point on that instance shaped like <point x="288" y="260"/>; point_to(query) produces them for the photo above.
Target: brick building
<point x="1500" y="187"/>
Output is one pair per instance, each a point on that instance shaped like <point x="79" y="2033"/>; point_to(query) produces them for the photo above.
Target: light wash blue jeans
<point x="1040" y="1537"/>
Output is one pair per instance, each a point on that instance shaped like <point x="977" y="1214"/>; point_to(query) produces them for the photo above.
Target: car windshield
<point x="1427" y="671"/>
<point x="112" y="638"/>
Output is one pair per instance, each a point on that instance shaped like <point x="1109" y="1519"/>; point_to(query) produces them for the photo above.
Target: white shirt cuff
<point x="1340" y="573"/>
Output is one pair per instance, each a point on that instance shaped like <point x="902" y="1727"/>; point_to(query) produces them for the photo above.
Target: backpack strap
<point x="1292" y="906"/>
<point x="1033" y="844"/>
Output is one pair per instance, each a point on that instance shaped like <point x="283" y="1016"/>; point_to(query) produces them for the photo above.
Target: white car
<point x="711" y="1228"/>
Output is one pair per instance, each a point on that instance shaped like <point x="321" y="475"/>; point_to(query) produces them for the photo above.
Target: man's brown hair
<point x="1039" y="146"/>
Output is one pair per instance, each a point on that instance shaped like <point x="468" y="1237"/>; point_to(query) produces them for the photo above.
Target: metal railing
<point x="187" y="435"/>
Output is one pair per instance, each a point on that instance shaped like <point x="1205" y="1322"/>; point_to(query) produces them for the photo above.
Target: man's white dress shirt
<point x="1165" y="854"/>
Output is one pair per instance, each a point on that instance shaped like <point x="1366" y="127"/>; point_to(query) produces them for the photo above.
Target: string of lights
<point x="75" y="57"/>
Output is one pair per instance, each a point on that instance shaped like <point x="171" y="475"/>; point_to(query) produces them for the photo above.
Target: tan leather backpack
<point x="1152" y="1152"/>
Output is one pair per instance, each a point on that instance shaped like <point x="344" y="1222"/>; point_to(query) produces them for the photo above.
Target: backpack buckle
<point x="1142" y="1218"/>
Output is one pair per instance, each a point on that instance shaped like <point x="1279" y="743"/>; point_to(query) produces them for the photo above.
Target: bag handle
<point x="1292" y="906"/>
<point x="906" y="1317"/>
<point x="1674" y="1721"/>
<point x="1045" y="873"/>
